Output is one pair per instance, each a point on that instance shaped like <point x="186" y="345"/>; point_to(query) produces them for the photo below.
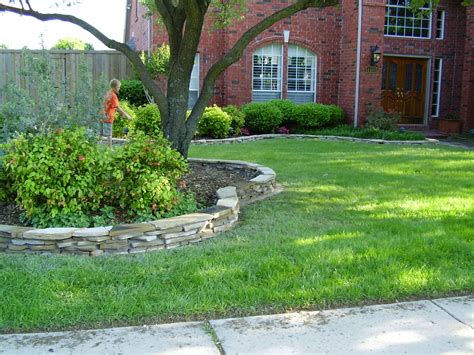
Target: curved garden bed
<point x="150" y="236"/>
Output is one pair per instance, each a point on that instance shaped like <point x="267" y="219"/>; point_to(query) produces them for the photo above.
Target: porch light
<point x="375" y="55"/>
<point x="286" y="36"/>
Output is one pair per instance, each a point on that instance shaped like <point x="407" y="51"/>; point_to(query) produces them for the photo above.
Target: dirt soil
<point x="203" y="181"/>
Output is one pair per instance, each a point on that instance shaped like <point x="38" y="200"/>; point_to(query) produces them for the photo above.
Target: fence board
<point x="104" y="65"/>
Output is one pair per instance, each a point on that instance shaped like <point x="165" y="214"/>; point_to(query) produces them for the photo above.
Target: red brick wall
<point x="331" y="34"/>
<point x="467" y="100"/>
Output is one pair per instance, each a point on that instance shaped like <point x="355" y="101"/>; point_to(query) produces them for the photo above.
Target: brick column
<point x="467" y="98"/>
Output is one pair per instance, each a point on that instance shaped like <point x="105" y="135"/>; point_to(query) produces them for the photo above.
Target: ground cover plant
<point x="356" y="224"/>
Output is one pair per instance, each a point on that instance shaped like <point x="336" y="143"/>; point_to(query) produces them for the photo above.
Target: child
<point x="111" y="103"/>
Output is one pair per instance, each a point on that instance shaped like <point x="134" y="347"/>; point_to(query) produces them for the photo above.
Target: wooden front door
<point x="404" y="87"/>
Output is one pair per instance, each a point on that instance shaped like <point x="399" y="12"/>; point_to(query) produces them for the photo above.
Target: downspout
<point x="149" y="37"/>
<point x="359" y="40"/>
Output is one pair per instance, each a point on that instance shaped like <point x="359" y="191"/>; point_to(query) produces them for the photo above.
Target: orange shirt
<point x="110" y="104"/>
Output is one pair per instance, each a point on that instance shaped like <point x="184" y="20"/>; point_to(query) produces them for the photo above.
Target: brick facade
<point x="332" y="35"/>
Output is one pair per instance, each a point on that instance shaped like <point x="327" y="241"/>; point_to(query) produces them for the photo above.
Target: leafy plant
<point x="287" y="108"/>
<point x="215" y="123"/>
<point x="383" y="120"/>
<point x="312" y="115"/>
<point x="336" y="114"/>
<point x="157" y="63"/>
<point x="70" y="43"/>
<point x="121" y="123"/>
<point x="237" y="118"/>
<point x="133" y="92"/>
<point x="148" y="120"/>
<point x="262" y="117"/>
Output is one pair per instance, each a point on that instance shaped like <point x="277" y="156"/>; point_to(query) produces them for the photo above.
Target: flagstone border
<point x="150" y="236"/>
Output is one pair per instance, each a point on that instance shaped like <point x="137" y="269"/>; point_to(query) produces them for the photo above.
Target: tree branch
<point x="121" y="47"/>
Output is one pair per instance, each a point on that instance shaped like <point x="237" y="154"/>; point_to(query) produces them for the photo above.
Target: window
<point x="440" y="24"/>
<point x="301" y="74"/>
<point x="400" y="21"/>
<point x="438" y="68"/>
<point x="194" y="83"/>
<point x="266" y="73"/>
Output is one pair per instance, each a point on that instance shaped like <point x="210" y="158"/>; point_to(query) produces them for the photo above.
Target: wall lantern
<point x="286" y="36"/>
<point x="375" y="55"/>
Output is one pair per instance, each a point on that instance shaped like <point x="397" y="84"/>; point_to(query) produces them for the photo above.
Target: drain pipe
<point x="359" y="40"/>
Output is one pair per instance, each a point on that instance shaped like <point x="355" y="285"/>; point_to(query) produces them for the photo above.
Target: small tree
<point x="70" y="44"/>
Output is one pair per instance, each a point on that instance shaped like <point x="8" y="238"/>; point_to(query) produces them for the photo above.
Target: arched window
<point x="301" y="74"/>
<point x="266" y="73"/>
<point x="194" y="83"/>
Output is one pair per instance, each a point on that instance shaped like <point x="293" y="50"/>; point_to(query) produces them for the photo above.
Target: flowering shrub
<point x="283" y="130"/>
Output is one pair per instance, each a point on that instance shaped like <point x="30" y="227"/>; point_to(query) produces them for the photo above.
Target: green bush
<point x="287" y="108"/>
<point x="383" y="120"/>
<point x="336" y="115"/>
<point x="262" y="117"/>
<point x="312" y="115"/>
<point x="237" y="118"/>
<point x="133" y="92"/>
<point x="148" y="120"/>
<point x="120" y="123"/>
<point x="144" y="176"/>
<point x="56" y="177"/>
<point x="214" y="123"/>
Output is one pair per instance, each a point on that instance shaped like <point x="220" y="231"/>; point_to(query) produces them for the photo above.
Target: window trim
<point x="429" y="28"/>
<point x="280" y="69"/>
<point x="313" y="70"/>
<point x="441" y="21"/>
<point x="438" y="80"/>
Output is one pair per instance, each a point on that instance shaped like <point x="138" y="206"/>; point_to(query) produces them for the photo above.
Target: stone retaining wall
<point x="150" y="236"/>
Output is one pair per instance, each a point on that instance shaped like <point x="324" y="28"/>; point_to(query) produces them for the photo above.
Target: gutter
<point x="359" y="40"/>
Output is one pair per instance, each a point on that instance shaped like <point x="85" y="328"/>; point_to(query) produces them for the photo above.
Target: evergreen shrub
<point x="262" y="117"/>
<point x="237" y="118"/>
<point x="133" y="92"/>
<point x="312" y="115"/>
<point x="214" y="123"/>
<point x="287" y="108"/>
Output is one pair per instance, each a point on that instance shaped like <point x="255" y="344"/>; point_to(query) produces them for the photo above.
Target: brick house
<point x="426" y="66"/>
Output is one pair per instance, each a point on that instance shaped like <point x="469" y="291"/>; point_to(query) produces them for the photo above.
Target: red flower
<point x="81" y="158"/>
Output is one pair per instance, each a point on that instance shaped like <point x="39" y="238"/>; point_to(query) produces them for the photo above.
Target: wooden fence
<point x="105" y="65"/>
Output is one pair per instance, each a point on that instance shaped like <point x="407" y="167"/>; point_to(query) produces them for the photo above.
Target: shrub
<point x="312" y="115"/>
<point x="55" y="176"/>
<point x="214" y="123"/>
<point x="144" y="175"/>
<point x="383" y="120"/>
<point x="148" y="120"/>
<point x="262" y="117"/>
<point x="133" y="92"/>
<point x="336" y="115"/>
<point x="287" y="108"/>
<point x="237" y="118"/>
<point x="121" y="123"/>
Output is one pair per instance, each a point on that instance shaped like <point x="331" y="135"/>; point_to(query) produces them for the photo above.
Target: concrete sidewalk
<point x="422" y="327"/>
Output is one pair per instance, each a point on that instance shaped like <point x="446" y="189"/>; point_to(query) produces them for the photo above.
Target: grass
<point x="356" y="224"/>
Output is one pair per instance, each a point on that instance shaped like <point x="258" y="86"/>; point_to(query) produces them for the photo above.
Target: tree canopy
<point x="69" y="43"/>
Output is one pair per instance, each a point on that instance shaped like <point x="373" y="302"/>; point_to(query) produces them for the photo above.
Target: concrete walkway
<point x="442" y="326"/>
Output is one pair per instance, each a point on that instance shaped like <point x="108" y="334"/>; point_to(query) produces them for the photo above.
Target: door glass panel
<point x="408" y="77"/>
<point x="392" y="80"/>
<point x="419" y="75"/>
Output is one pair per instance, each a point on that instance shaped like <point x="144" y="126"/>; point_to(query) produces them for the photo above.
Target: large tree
<point x="183" y="21"/>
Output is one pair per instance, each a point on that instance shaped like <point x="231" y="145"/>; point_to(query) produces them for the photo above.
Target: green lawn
<point x="356" y="224"/>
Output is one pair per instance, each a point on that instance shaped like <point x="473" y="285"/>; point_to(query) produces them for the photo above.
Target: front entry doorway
<point x="404" y="88"/>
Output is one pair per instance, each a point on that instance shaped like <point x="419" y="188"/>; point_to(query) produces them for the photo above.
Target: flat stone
<point x="66" y="244"/>
<point x="92" y="232"/>
<point x="163" y="231"/>
<point x="17" y="247"/>
<point x="172" y="222"/>
<point x="13" y="231"/>
<point x="266" y="171"/>
<point x="98" y="239"/>
<point x="230" y="202"/>
<point x="263" y="178"/>
<point x="153" y="243"/>
<point x="96" y="252"/>
<point x="49" y="233"/>
<point x="225" y="192"/>
<point x="129" y="228"/>
<point x="197" y="226"/>
<point x="178" y="235"/>
<point x="145" y="238"/>
<point x="44" y="247"/>
<point x="128" y="235"/>
<point x="27" y="241"/>
<point x="217" y="211"/>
